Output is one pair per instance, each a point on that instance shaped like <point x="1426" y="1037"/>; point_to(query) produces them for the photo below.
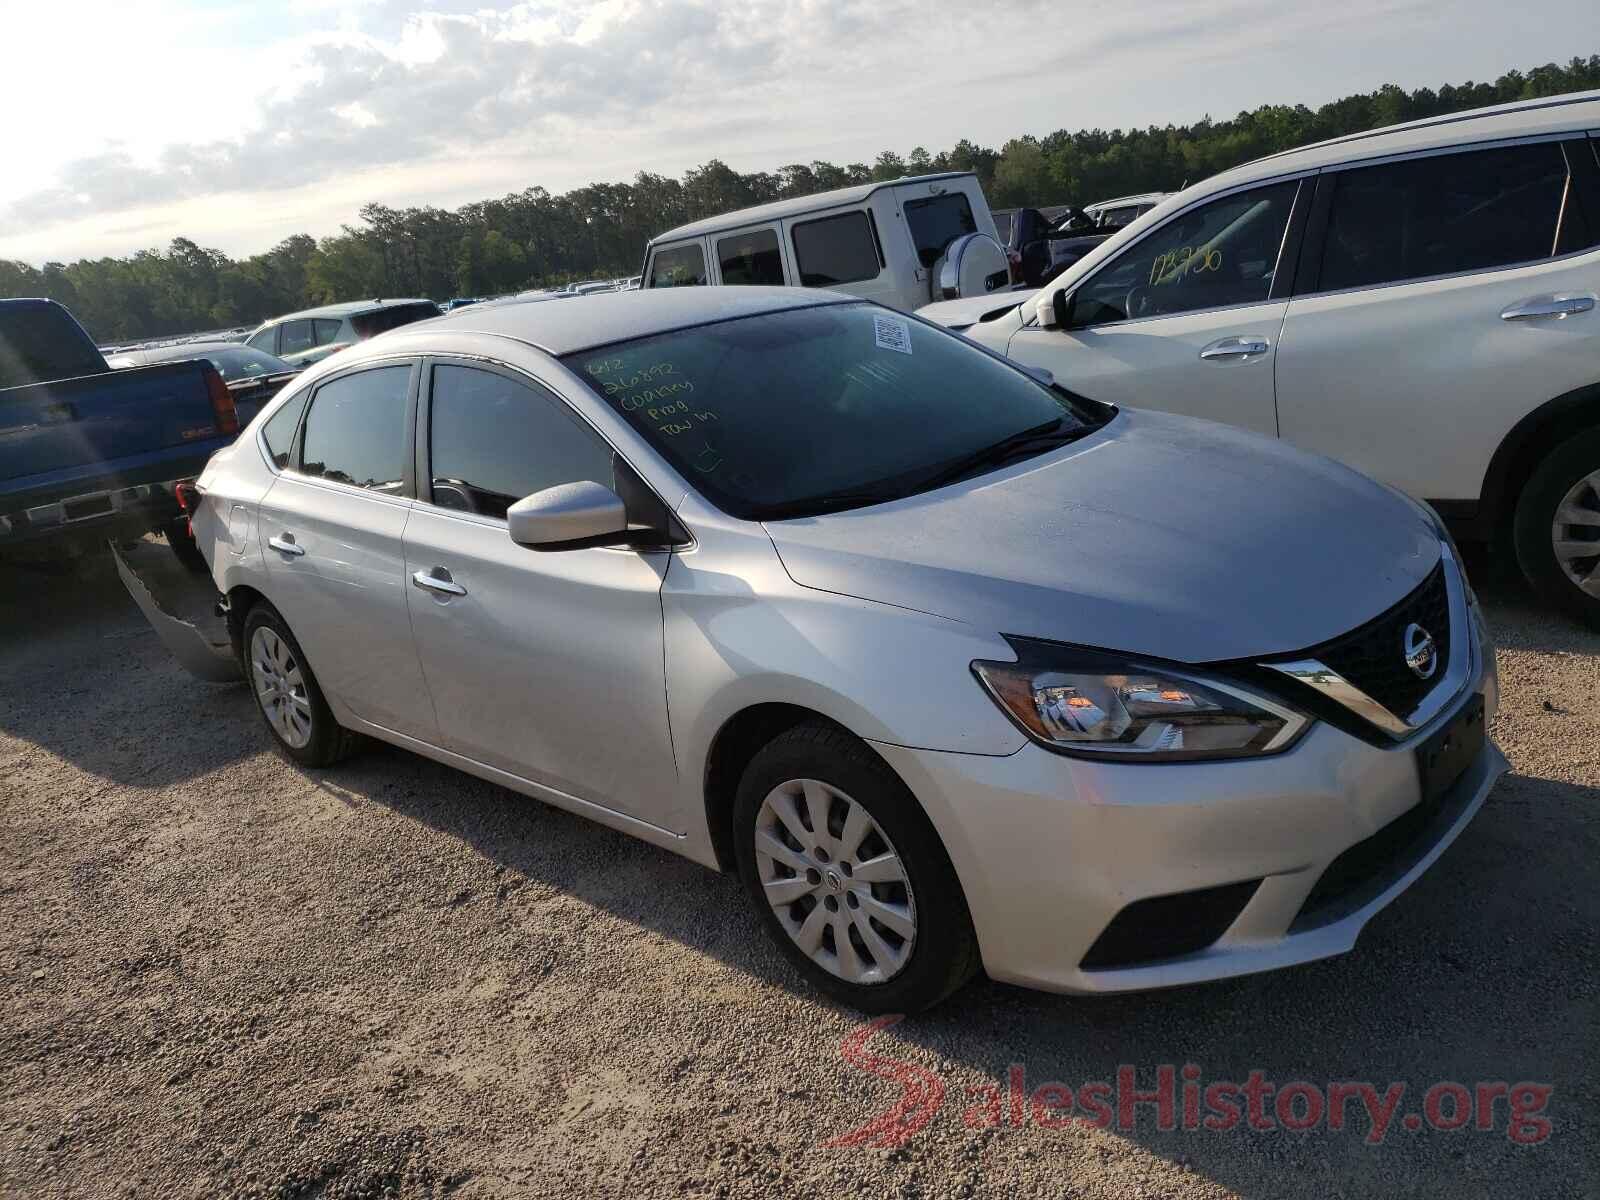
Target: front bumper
<point x="1050" y="849"/>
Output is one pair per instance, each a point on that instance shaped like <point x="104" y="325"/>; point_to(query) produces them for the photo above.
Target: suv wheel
<point x="1557" y="527"/>
<point x="848" y="874"/>
<point x="287" y="695"/>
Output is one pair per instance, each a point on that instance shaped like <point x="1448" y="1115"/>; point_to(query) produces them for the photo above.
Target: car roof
<point x="348" y="308"/>
<point x="1139" y="198"/>
<point x="795" y="206"/>
<point x="1521" y="118"/>
<point x="609" y="317"/>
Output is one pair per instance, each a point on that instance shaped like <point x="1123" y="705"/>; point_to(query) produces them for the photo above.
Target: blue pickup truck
<point x="88" y="453"/>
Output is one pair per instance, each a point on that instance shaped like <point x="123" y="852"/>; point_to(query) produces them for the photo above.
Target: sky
<point x="238" y="122"/>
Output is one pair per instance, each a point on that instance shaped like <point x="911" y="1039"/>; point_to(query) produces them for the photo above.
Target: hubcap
<point x="1575" y="534"/>
<point x="835" y="881"/>
<point x="280" y="687"/>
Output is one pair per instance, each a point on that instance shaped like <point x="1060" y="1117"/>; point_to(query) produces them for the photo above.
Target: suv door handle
<point x="1230" y="348"/>
<point x="1548" y="306"/>
<point x="438" y="580"/>
<point x="286" y="545"/>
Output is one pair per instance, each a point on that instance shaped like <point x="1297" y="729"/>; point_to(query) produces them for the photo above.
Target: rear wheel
<point x="287" y="696"/>
<point x="848" y="874"/>
<point x="183" y="546"/>
<point x="1557" y="527"/>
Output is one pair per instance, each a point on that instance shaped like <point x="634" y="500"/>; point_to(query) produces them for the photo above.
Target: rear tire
<point x="1557" y="518"/>
<point x="907" y="937"/>
<point x="287" y="695"/>
<point x="183" y="546"/>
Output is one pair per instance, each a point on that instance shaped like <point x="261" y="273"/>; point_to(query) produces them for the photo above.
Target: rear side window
<point x="678" y="266"/>
<point x="493" y="440"/>
<point x="937" y="222"/>
<point x="326" y="331"/>
<point x="1443" y="214"/>
<point x="356" y="430"/>
<point x="373" y="323"/>
<point x="835" y="250"/>
<point x="295" y="336"/>
<point x="278" y="431"/>
<point x="750" y="258"/>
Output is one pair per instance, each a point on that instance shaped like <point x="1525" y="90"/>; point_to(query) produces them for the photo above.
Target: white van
<point x="902" y="242"/>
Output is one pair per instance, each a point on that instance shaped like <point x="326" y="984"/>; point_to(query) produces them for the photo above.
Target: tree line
<point x="533" y="238"/>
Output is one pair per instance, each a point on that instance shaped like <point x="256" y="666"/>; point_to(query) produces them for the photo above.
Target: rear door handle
<point x="1548" y="306"/>
<point x="286" y="545"/>
<point x="1231" y="349"/>
<point x="438" y="580"/>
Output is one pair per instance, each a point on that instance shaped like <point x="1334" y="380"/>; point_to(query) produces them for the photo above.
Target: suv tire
<point x="1551" y="547"/>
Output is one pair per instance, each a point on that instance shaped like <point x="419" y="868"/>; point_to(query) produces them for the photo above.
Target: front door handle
<point x="1232" y="349"/>
<point x="286" y="545"/>
<point x="438" y="580"/>
<point x="1548" y="306"/>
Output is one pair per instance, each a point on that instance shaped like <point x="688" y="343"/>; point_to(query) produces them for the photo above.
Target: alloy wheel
<point x="1575" y="534"/>
<point x="835" y="881"/>
<point x="280" y="687"/>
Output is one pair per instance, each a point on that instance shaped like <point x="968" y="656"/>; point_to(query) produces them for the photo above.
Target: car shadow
<point x="83" y="676"/>
<point x="1518" y="619"/>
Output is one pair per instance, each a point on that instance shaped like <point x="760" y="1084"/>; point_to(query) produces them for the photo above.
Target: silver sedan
<point x="956" y="668"/>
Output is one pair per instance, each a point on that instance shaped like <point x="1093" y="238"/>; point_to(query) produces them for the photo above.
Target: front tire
<point x="848" y="874"/>
<point x="287" y="695"/>
<point x="1557" y="527"/>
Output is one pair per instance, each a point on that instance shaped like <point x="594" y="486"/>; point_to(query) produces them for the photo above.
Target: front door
<point x="1184" y="320"/>
<point x="548" y="665"/>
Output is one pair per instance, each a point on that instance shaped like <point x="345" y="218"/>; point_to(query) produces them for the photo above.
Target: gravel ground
<point x="226" y="976"/>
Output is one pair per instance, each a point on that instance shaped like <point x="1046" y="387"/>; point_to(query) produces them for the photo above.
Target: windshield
<point x="809" y="410"/>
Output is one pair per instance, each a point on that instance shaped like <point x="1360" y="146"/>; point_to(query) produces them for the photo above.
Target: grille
<point x="1373" y="656"/>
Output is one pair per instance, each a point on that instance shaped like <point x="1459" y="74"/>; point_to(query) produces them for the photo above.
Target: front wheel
<point x="848" y="874"/>
<point x="287" y="696"/>
<point x="1557" y="527"/>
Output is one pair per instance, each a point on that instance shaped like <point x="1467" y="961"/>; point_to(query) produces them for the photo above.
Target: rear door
<point x="548" y="665"/>
<point x="1187" y="318"/>
<point x="331" y="529"/>
<point x="1442" y="297"/>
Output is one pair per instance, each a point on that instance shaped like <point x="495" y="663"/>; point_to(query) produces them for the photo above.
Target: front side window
<point x="835" y="250"/>
<point x="807" y="410"/>
<point x="678" y="266"/>
<point x="278" y="431"/>
<point x="356" y="430"/>
<point x="295" y="336"/>
<point x="1443" y="214"/>
<point x="1221" y="253"/>
<point x="936" y="222"/>
<point x="751" y="258"/>
<point x="493" y="440"/>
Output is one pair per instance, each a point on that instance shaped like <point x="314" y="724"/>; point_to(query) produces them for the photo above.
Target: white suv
<point x="1418" y="302"/>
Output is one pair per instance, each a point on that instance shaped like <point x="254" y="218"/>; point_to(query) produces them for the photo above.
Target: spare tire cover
<point x="973" y="265"/>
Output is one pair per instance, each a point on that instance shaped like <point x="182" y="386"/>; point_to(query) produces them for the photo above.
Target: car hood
<point x="958" y="314"/>
<point x="1157" y="535"/>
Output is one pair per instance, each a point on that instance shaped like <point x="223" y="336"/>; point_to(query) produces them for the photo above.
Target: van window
<point x="937" y="222"/>
<point x="835" y="250"/>
<point x="1442" y="214"/>
<point x="678" y="266"/>
<point x="751" y="258"/>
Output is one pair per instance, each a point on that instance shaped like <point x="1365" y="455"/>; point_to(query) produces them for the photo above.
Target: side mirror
<point x="1053" y="308"/>
<point x="570" y="516"/>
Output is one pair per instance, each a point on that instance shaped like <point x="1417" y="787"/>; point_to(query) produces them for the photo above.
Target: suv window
<point x="1442" y="214"/>
<point x="278" y="432"/>
<point x="1221" y="253"/>
<point x="326" y="330"/>
<point x="678" y="266"/>
<point x="835" y="250"/>
<point x="937" y="222"/>
<point x="295" y="336"/>
<point x="750" y="258"/>
<point x="356" y="429"/>
<point x="493" y="440"/>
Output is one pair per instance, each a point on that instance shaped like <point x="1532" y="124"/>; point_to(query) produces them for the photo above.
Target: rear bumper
<point x="181" y="608"/>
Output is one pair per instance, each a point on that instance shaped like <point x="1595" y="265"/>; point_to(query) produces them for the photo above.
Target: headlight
<point x="1106" y="706"/>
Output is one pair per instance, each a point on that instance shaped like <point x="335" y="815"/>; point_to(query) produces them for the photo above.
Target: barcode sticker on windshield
<point x="892" y="333"/>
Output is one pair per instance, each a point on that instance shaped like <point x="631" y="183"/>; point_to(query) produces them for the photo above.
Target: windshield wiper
<point x="1023" y="444"/>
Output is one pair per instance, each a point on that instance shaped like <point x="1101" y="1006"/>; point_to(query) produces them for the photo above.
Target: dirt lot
<point x="225" y="976"/>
